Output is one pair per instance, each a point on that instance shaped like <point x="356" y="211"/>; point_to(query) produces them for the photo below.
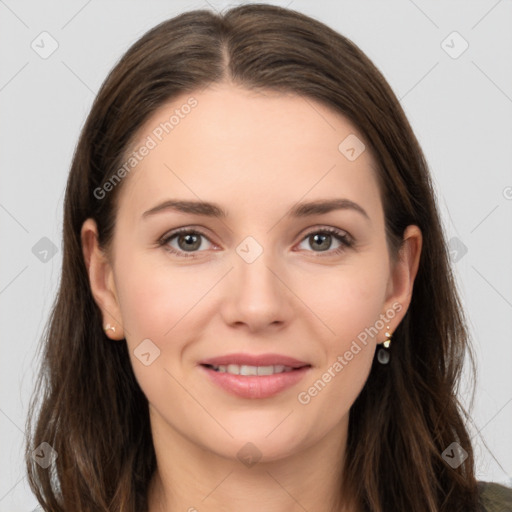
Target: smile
<point x="236" y="369"/>
<point x="252" y="382"/>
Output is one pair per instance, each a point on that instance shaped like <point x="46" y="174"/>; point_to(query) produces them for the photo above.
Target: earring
<point x="109" y="327"/>
<point x="383" y="354"/>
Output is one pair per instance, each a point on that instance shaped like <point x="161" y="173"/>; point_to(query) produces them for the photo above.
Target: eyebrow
<point x="207" y="209"/>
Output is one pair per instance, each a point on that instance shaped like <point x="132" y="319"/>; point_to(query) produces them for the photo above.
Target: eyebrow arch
<point x="207" y="209"/>
<point x="323" y="206"/>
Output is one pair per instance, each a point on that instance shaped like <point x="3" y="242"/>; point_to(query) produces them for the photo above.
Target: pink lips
<point x="255" y="386"/>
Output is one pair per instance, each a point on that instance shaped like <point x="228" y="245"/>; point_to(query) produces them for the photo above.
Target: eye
<point x="322" y="239"/>
<point x="187" y="239"/>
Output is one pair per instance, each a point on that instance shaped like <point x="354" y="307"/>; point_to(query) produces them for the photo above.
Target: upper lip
<point x="255" y="360"/>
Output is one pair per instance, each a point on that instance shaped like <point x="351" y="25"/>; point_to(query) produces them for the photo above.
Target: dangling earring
<point x="109" y="327"/>
<point x="383" y="354"/>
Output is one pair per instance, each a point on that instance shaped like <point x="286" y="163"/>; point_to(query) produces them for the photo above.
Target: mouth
<point x="247" y="370"/>
<point x="254" y="382"/>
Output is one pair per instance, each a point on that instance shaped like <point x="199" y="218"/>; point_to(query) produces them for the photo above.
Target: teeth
<point x="243" y="369"/>
<point x="267" y="370"/>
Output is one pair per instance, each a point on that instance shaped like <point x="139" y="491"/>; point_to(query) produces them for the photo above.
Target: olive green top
<point x="495" y="497"/>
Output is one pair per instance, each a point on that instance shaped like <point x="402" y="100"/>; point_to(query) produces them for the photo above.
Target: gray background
<point x="460" y="109"/>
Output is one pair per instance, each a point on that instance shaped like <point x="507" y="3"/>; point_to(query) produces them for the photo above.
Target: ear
<point x="101" y="280"/>
<point x="403" y="273"/>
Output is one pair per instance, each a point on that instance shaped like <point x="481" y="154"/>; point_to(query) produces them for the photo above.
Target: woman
<point x="200" y="355"/>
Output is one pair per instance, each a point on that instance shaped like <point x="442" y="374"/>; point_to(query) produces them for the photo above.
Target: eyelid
<point x="328" y="229"/>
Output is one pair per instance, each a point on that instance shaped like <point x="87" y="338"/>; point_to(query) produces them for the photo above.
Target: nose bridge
<point x="253" y="264"/>
<point x="255" y="294"/>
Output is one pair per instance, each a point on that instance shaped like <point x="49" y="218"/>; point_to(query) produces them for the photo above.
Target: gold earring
<point x="109" y="327"/>
<point x="388" y="335"/>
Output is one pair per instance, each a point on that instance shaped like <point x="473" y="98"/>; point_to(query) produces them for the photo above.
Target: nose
<point x="256" y="295"/>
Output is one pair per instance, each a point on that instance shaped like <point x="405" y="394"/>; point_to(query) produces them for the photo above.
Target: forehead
<point x="225" y="143"/>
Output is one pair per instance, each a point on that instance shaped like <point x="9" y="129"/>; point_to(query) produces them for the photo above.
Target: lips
<point x="254" y="360"/>
<point x="248" y="384"/>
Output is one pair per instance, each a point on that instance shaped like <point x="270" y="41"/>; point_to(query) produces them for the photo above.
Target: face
<point x="271" y="278"/>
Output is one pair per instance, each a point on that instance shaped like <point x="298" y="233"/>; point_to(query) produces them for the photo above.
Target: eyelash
<point x="341" y="236"/>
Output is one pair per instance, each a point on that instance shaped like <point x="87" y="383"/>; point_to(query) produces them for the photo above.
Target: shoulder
<point x="495" y="497"/>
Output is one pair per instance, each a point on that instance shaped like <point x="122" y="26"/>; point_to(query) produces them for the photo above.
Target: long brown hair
<point x="93" y="412"/>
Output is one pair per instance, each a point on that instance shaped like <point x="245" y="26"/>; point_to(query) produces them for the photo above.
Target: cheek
<point x="349" y="299"/>
<point x="155" y="305"/>
<point x="154" y="299"/>
<point x="350" y="302"/>
<point x="352" y="312"/>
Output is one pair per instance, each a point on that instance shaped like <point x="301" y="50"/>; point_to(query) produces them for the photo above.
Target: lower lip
<point x="253" y="386"/>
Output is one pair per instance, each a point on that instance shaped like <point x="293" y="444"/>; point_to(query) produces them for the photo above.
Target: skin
<point x="256" y="155"/>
